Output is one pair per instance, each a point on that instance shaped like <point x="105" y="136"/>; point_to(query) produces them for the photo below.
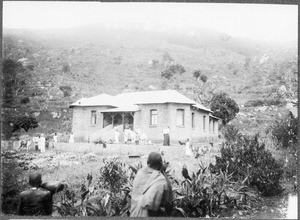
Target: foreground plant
<point x="251" y="164"/>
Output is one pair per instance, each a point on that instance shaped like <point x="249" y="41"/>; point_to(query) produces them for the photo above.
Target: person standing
<point x="125" y="133"/>
<point x="166" y="133"/>
<point x="55" y="140"/>
<point x="117" y="135"/>
<point x="42" y="143"/>
<point x="151" y="191"/>
<point x="35" y="201"/>
<point x="71" y="138"/>
<point x="188" y="150"/>
<point x="144" y="138"/>
<point x="35" y="141"/>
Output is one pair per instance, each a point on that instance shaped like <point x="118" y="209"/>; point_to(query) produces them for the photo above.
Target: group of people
<point x="136" y="136"/>
<point x="151" y="193"/>
<point x="40" y="143"/>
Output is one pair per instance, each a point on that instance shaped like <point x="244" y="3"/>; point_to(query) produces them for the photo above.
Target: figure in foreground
<point x="35" y="201"/>
<point x="150" y="189"/>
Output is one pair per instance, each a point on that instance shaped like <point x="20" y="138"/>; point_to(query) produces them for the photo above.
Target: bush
<point x="203" y="78"/>
<point x="24" y="122"/>
<point x="66" y="90"/>
<point x="113" y="175"/>
<point x="197" y="73"/>
<point x="285" y="130"/>
<point x="167" y="74"/>
<point x="265" y="102"/>
<point x="66" y="68"/>
<point x="25" y="100"/>
<point x="12" y="184"/>
<point x="250" y="163"/>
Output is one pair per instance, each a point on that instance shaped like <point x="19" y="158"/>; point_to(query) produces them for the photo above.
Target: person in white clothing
<point x="42" y="143"/>
<point x="71" y="139"/>
<point x="144" y="138"/>
<point x="55" y="140"/>
<point x="166" y="133"/>
<point x="188" y="150"/>
<point x="35" y="141"/>
<point x="117" y="134"/>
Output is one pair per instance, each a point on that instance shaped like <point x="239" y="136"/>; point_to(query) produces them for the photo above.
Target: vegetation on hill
<point x="57" y="67"/>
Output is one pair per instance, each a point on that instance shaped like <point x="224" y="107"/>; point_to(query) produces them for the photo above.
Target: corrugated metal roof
<point x="151" y="97"/>
<point x="128" y="108"/>
<point x="201" y="107"/>
<point x="99" y="100"/>
<point x="210" y="115"/>
<point x="131" y="100"/>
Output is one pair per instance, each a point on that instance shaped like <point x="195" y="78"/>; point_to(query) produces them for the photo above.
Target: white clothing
<point x="42" y="144"/>
<point x="188" y="151"/>
<point x="71" y="139"/>
<point x="144" y="138"/>
<point x="55" y="138"/>
<point x="166" y="131"/>
<point x="117" y="134"/>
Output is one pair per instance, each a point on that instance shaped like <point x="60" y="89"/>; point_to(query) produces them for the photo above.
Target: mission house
<point x="148" y="111"/>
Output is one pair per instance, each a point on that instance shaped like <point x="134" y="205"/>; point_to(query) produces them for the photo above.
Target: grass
<point x="75" y="161"/>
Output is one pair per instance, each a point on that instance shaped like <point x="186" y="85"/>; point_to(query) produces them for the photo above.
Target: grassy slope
<point x="113" y="60"/>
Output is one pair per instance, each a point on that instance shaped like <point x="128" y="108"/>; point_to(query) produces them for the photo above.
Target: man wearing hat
<point x="150" y="189"/>
<point x="35" y="201"/>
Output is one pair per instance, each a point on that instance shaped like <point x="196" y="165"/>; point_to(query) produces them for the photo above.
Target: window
<point x="94" y="117"/>
<point x="210" y="125"/>
<point x="180" y="117"/>
<point x="193" y="120"/>
<point x="204" y="120"/>
<point x="214" y="126"/>
<point x="153" y="117"/>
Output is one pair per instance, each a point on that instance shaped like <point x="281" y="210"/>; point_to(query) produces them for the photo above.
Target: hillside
<point x="67" y="64"/>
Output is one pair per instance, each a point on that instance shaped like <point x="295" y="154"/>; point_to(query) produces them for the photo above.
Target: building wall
<point x="167" y="115"/>
<point x="81" y="122"/>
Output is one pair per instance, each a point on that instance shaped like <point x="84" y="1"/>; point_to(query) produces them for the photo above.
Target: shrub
<point x="167" y="74"/>
<point x="265" y="102"/>
<point x="250" y="163"/>
<point x="66" y="90"/>
<point x="197" y="73"/>
<point x="12" y="183"/>
<point x="173" y="70"/>
<point x="24" y="122"/>
<point x="231" y="134"/>
<point x="25" y="100"/>
<point x="167" y="57"/>
<point x="113" y="175"/>
<point x="285" y="130"/>
<point x="66" y="68"/>
<point x="203" y="78"/>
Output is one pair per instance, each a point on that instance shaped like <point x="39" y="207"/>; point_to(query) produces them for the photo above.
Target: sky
<point x="256" y="21"/>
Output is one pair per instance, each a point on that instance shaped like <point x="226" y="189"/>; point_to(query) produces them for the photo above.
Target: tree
<point x="224" y="107"/>
<point x="204" y="90"/>
<point x="247" y="62"/>
<point x="173" y="70"/>
<point x="11" y="80"/>
<point x="66" y="68"/>
<point x="166" y="57"/>
<point x="167" y="73"/>
<point x="66" y="90"/>
<point x="24" y="122"/>
<point x="197" y="73"/>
